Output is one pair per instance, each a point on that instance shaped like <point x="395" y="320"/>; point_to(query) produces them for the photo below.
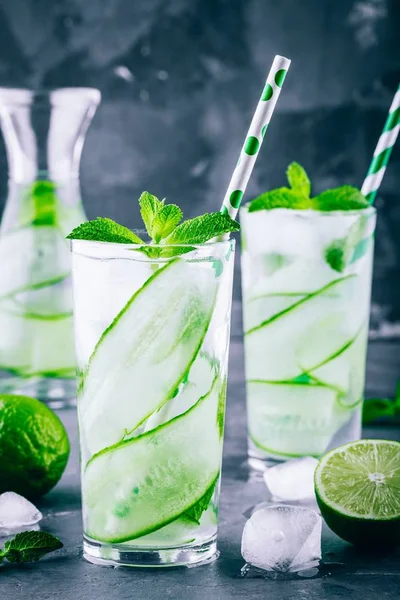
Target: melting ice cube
<point x="293" y="480"/>
<point x="17" y="514"/>
<point x="283" y="538"/>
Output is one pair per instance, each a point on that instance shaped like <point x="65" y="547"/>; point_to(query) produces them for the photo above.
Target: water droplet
<point x="124" y="73"/>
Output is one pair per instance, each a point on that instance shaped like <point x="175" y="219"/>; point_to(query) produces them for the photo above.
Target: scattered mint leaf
<point x="194" y="513"/>
<point x="149" y="208"/>
<point x="298" y="179"/>
<point x="280" y="198"/>
<point x="376" y="408"/>
<point x="104" y="230"/>
<point x="165" y="222"/>
<point x="30" y="546"/>
<point x="345" y="197"/>
<point x="202" y="229"/>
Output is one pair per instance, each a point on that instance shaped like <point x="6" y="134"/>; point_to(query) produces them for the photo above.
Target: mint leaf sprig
<point x="298" y="196"/>
<point x="164" y="228"/>
<point x="29" y="546"/>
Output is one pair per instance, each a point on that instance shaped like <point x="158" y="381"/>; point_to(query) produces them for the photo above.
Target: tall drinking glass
<point x="152" y="341"/>
<point x="306" y="296"/>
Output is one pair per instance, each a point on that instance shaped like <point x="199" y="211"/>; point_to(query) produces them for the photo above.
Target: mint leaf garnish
<point x="194" y="512"/>
<point x="345" y="197"/>
<point x="104" y="230"/>
<point x="162" y="224"/>
<point x="202" y="229"/>
<point x="149" y="207"/>
<point x="29" y="546"/>
<point x="165" y="222"/>
<point x="297" y="197"/>
<point x="280" y="198"/>
<point x="298" y="179"/>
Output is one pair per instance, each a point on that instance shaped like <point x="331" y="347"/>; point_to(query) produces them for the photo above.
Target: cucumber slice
<point x="181" y="532"/>
<point x="261" y="308"/>
<point x="52" y="345"/>
<point x="272" y="346"/>
<point x="345" y="370"/>
<point x="34" y="346"/>
<point x="15" y="341"/>
<point x="289" y="419"/>
<point x="199" y="382"/>
<point x="32" y="257"/>
<point x="146" y="352"/>
<point x="51" y="302"/>
<point x="140" y="485"/>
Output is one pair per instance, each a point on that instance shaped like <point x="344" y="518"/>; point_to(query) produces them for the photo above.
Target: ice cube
<point x="293" y="480"/>
<point x="283" y="538"/>
<point x="17" y="514"/>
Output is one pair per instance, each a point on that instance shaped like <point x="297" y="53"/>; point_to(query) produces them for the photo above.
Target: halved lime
<point x="358" y="491"/>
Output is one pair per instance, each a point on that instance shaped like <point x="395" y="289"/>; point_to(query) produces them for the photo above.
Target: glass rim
<point x="132" y="246"/>
<point x="308" y="212"/>
<point x="15" y="96"/>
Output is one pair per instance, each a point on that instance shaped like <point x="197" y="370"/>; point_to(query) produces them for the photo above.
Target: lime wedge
<point x="358" y="491"/>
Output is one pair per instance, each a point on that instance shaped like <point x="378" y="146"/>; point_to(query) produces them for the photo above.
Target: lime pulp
<point x="358" y="491"/>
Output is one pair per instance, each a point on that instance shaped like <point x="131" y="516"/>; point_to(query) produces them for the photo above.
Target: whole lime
<point x="34" y="446"/>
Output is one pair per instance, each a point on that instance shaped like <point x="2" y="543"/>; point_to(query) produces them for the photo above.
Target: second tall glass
<point x="306" y="296"/>
<point x="152" y="339"/>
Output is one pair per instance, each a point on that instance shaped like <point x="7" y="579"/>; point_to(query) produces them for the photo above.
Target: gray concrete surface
<point x="65" y="576"/>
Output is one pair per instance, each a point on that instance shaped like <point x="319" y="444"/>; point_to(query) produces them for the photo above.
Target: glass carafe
<point x="44" y="132"/>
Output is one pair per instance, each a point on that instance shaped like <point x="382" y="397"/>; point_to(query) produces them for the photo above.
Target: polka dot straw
<point x="255" y="136"/>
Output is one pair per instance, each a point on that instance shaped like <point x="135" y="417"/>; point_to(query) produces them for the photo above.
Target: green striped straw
<point x="383" y="150"/>
<point x="255" y="136"/>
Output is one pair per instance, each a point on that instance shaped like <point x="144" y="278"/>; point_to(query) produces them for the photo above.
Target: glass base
<point x="259" y="460"/>
<point x="54" y="392"/>
<point x="123" y="555"/>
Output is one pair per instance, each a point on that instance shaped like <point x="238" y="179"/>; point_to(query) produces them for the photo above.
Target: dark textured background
<point x="180" y="80"/>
